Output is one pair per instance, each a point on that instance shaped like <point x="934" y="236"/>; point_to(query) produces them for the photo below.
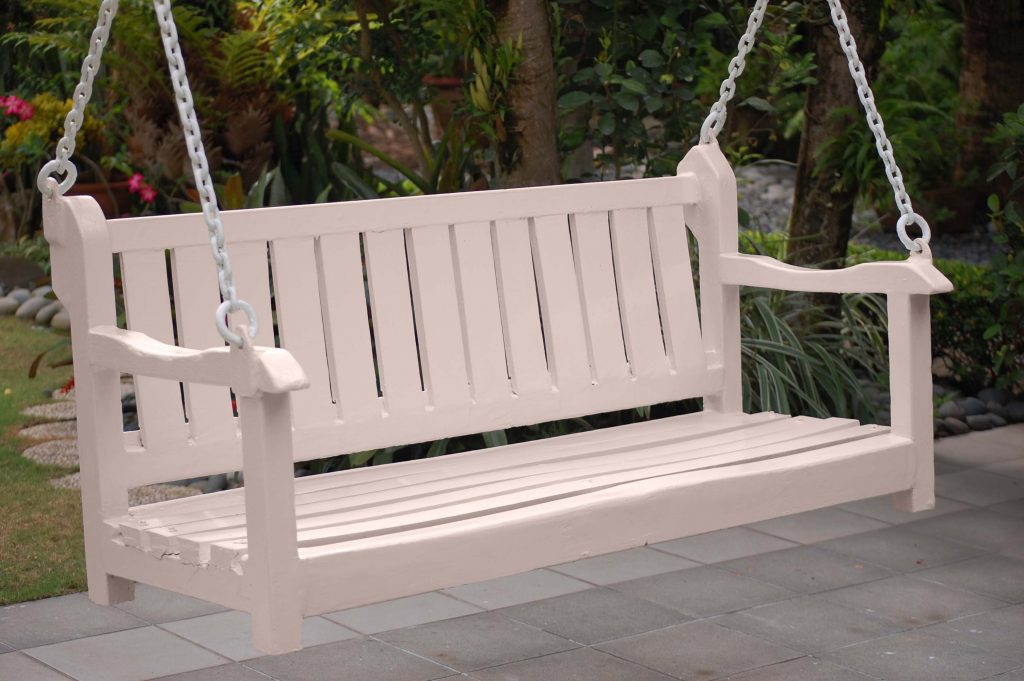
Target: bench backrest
<point x="424" y="317"/>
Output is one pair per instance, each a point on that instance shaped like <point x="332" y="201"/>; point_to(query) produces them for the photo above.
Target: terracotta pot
<point x="113" y="202"/>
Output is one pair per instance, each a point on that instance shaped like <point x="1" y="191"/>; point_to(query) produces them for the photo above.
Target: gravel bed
<point x="50" y="431"/>
<point x="62" y="410"/>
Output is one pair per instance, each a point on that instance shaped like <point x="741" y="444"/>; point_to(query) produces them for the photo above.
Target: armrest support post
<point x="273" y="564"/>
<point x="910" y="387"/>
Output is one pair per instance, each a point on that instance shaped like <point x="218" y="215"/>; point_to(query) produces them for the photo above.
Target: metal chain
<point x="80" y="98"/>
<point x="201" y="173"/>
<point x="716" y="118"/>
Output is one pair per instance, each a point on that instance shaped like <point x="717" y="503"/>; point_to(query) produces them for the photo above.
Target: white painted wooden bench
<point x="478" y="312"/>
<point x="481" y="311"/>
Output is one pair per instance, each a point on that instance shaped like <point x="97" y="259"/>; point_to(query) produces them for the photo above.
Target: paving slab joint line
<point x="373" y="637"/>
<point x="41" y="663"/>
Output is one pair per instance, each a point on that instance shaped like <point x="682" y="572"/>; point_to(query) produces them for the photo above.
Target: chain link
<point x="716" y="117"/>
<point x="201" y="173"/>
<point x="83" y="92"/>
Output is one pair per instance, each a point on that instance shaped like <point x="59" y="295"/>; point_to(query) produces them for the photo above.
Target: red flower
<point x="136" y="183"/>
<point x="16" y="106"/>
<point x="147" y="194"/>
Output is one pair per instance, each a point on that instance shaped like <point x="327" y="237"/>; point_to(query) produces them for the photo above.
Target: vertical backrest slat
<point x="297" y="293"/>
<point x="438" y="323"/>
<point x="147" y="304"/>
<point x="343" y="292"/>
<point x="638" y="303"/>
<point x="251" y="264"/>
<point x="595" y="271"/>
<point x="393" y="328"/>
<point x="517" y="289"/>
<point x="561" y="313"/>
<point x="678" y="303"/>
<point x="481" y="315"/>
<point x="196" y="298"/>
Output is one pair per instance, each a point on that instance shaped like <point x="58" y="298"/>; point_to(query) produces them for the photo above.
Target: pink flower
<point x="136" y="183"/>
<point x="147" y="194"/>
<point x="16" y="106"/>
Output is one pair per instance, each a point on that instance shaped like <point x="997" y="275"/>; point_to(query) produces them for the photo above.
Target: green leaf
<point x="653" y="103"/>
<point x="574" y="100"/>
<point x="759" y="104"/>
<point x="651" y="59"/>
<point x="993" y="203"/>
<point x="603" y="70"/>
<point x="993" y="331"/>
<point x="634" y="86"/>
<point x="495" y="438"/>
<point x="627" y="101"/>
<point x="606" y="124"/>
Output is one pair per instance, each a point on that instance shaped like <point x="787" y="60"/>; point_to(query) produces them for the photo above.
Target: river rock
<point x="1015" y="410"/>
<point x="42" y="291"/>
<point x="8" y="306"/>
<point x="994" y="395"/>
<point x="45" y="315"/>
<point x="31" y="307"/>
<point x="215" y="483"/>
<point x="972" y="406"/>
<point x="61" y="320"/>
<point x="997" y="420"/>
<point x="955" y="426"/>
<point x="997" y="408"/>
<point x="951" y="410"/>
<point x="979" y="422"/>
<point x="20" y="294"/>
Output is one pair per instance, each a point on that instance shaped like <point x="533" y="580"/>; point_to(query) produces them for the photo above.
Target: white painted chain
<point x="201" y="173"/>
<point x="80" y="98"/>
<point x="716" y="118"/>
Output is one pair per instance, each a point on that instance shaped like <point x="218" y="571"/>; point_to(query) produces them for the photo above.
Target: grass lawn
<point x="40" y="527"/>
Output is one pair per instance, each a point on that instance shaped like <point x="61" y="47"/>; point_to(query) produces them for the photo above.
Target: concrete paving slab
<point x="816" y="526"/>
<point x="623" y="566"/>
<point x="133" y="655"/>
<point x="699" y="650"/>
<point x="515" y="589"/>
<point x="582" y="664"/>
<point x="595" y="615"/>
<point x="809" y="624"/>
<point x="354" y="660"/>
<point x="478" y="641"/>
<point x="918" y="656"/>
<point x="51" y="620"/>
<point x="807" y="569"/>
<point x="715" y="547"/>
<point x="403" y="612"/>
<point x="704" y="591"/>
<point x="230" y="633"/>
<point x="902" y="550"/>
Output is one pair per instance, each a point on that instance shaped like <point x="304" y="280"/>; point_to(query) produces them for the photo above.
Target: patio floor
<point x="848" y="593"/>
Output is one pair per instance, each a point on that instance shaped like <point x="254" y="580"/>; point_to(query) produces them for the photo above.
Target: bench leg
<point x="277" y="632"/>
<point x="107" y="589"/>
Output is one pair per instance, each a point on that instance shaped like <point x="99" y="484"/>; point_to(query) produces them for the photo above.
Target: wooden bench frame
<point x="278" y="587"/>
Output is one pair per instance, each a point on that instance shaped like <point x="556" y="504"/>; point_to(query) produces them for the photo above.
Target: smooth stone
<point x="997" y="420"/>
<point x="42" y="291"/>
<point x="61" y="320"/>
<point x="1015" y="410"/>
<point x="951" y="410"/>
<point x="994" y="395"/>
<point x="8" y="306"/>
<point x="31" y="307"/>
<point x="45" y="316"/>
<point x="979" y="422"/>
<point x="938" y="390"/>
<point x="955" y="426"/>
<point x="20" y="294"/>
<point x="215" y="483"/>
<point x="972" y="406"/>
<point x="997" y="408"/>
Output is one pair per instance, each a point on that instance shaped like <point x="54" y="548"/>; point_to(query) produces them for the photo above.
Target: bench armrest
<point x="916" y="275"/>
<point x="248" y="372"/>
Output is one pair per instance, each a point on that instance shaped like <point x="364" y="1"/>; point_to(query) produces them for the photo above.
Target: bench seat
<point x="335" y="509"/>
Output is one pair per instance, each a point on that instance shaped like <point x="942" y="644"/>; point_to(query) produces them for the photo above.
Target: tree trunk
<point x="529" y="157"/>
<point x="990" y="85"/>
<point x="819" y="225"/>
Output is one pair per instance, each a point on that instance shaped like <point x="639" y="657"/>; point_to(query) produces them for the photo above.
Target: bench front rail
<point x="397" y="321"/>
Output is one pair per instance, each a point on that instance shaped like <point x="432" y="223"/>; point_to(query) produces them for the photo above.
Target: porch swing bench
<point x="413" y="319"/>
